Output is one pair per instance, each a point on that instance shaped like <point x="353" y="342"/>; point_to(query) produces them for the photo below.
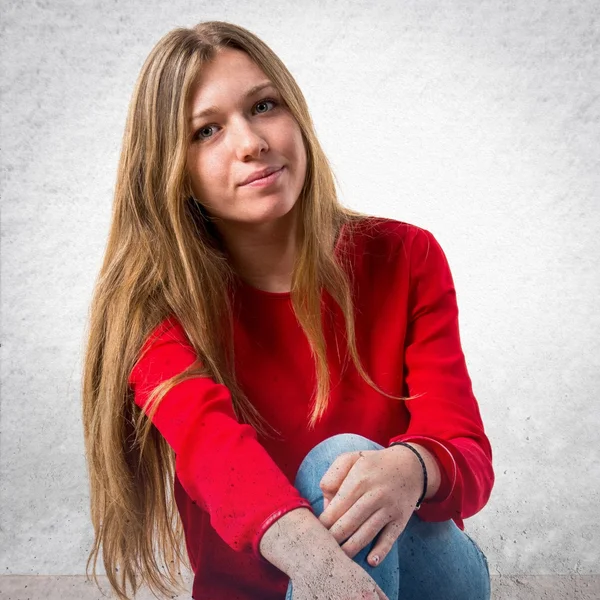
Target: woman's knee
<point x="318" y="460"/>
<point x="329" y="449"/>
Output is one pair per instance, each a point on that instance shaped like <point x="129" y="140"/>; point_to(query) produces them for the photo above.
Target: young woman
<point x="270" y="376"/>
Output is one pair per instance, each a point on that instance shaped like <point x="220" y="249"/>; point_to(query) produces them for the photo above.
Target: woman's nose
<point x="247" y="140"/>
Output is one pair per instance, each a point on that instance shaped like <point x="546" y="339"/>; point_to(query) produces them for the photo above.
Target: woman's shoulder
<point x="169" y="329"/>
<point x="166" y="348"/>
<point x="377" y="235"/>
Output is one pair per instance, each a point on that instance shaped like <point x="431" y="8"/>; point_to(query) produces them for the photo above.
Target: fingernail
<point x="375" y="559"/>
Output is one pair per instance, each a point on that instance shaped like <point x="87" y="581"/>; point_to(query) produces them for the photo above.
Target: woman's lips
<point x="265" y="181"/>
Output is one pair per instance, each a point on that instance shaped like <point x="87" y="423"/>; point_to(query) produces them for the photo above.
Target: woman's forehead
<point x="227" y="79"/>
<point x="226" y="66"/>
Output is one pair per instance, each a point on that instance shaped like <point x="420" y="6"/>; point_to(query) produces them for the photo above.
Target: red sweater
<point x="231" y="484"/>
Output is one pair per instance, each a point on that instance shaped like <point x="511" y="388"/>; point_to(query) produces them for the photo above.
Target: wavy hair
<point x="163" y="258"/>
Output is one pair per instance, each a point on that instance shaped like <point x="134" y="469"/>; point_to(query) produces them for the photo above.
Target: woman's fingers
<point x="364" y="534"/>
<point x="332" y="480"/>
<point x="357" y="516"/>
<point x="340" y="487"/>
<point x="389" y="534"/>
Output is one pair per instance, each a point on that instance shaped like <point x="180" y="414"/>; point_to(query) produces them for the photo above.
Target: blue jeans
<point x="428" y="561"/>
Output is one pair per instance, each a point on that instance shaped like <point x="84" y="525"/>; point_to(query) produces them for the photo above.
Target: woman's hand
<point x="368" y="492"/>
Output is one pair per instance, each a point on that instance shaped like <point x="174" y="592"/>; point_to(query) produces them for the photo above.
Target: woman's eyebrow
<point x="211" y="110"/>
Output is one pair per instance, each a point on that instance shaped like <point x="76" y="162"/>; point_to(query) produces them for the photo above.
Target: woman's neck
<point x="263" y="255"/>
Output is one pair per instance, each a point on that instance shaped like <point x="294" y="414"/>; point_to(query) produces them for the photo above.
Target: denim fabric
<point x="429" y="561"/>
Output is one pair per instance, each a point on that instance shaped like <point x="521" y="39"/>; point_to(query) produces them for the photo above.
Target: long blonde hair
<point x="163" y="258"/>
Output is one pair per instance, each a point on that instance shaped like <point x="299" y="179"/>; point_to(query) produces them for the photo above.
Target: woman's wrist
<point x="298" y="542"/>
<point x="434" y="476"/>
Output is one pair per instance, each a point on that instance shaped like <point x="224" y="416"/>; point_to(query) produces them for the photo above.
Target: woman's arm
<point x="445" y="419"/>
<point x="219" y="462"/>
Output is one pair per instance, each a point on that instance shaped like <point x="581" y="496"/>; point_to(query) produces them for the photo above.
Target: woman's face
<point x="242" y="134"/>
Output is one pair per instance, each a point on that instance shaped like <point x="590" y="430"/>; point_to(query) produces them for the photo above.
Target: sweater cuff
<point x="297" y="503"/>
<point x="445" y="460"/>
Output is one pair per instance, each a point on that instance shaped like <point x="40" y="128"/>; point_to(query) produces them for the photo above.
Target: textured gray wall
<point x="477" y="120"/>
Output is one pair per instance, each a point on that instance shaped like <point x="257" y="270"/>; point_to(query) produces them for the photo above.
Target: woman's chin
<point x="268" y="213"/>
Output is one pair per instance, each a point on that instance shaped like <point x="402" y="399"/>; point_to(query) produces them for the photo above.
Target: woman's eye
<point x="198" y="135"/>
<point x="266" y="101"/>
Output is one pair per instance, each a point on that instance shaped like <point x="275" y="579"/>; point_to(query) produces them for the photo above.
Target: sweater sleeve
<point x="219" y="462"/>
<point x="445" y="418"/>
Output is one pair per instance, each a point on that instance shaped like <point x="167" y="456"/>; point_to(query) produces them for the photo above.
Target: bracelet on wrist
<point x="420" y="500"/>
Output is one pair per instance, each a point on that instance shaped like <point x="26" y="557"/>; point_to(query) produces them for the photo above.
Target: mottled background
<point x="476" y="120"/>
